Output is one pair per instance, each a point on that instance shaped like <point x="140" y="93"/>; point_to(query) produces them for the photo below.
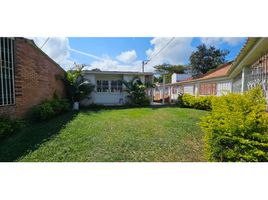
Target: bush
<point x="9" y="126"/>
<point x="43" y="111"/>
<point x="237" y="128"/>
<point x="189" y="101"/>
<point x="49" y="109"/>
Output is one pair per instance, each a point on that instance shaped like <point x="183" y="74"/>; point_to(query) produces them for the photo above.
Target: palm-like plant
<point x="77" y="87"/>
<point x="136" y="91"/>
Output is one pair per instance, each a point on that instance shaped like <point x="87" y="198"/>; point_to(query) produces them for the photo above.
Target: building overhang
<point x="254" y="50"/>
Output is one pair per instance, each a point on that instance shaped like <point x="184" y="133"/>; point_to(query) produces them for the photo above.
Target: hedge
<point x="237" y="128"/>
<point x="201" y="103"/>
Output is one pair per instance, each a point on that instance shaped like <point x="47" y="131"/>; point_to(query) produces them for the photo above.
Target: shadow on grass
<point x="32" y="136"/>
<point x="125" y="107"/>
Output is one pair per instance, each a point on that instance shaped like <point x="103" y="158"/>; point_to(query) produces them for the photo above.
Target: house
<point x="27" y="76"/>
<point x="109" y="89"/>
<point x="175" y="78"/>
<point x="171" y="89"/>
<point x="214" y="82"/>
<point x="249" y="69"/>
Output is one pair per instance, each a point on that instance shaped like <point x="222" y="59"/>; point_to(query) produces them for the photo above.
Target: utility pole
<point x="144" y="62"/>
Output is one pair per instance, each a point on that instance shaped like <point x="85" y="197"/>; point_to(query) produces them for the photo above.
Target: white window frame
<point x="101" y="86"/>
<point x="7" y="70"/>
<point x="119" y="88"/>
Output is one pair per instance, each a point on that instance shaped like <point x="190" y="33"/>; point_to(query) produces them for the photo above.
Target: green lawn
<point x="137" y="134"/>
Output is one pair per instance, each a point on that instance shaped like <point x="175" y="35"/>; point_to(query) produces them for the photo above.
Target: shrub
<point x="43" y="111"/>
<point x="237" y="128"/>
<point x="189" y="101"/>
<point x="60" y="105"/>
<point x="9" y="126"/>
<point x="49" y="109"/>
<point x="136" y="92"/>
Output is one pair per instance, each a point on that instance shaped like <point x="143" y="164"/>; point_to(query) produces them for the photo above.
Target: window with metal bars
<point x="7" y="86"/>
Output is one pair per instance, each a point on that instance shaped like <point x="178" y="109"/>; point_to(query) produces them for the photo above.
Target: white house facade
<point x="109" y="89"/>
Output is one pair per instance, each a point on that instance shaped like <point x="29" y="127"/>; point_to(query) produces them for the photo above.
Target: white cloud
<point x="217" y="41"/>
<point x="177" y="52"/>
<point x="127" y="56"/>
<point x="57" y="48"/>
<point x="111" y="65"/>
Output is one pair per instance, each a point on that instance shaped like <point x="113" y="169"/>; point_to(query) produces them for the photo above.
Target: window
<point x="7" y="91"/>
<point x="208" y="89"/>
<point x="116" y="86"/>
<point x="102" y="86"/>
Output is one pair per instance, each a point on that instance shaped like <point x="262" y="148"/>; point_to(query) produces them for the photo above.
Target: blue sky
<point x="127" y="53"/>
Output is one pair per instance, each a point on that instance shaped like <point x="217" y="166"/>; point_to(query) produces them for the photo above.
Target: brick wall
<point x="35" y="78"/>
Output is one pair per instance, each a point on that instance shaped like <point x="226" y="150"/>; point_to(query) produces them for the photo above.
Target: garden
<point x="230" y="128"/>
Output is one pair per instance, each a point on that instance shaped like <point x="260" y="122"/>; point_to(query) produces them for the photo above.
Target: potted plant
<point x="77" y="88"/>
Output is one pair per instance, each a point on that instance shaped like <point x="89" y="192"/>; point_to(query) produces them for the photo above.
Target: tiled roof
<point x="220" y="71"/>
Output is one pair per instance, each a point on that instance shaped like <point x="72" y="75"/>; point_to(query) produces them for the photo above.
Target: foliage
<point x="206" y="58"/>
<point x="190" y="101"/>
<point x="9" y="126"/>
<point x="49" y="109"/>
<point x="237" y="128"/>
<point x="77" y="88"/>
<point x="136" y="92"/>
<point x="169" y="69"/>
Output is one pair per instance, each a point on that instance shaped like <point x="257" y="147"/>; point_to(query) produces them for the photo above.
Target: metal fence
<point x="257" y="74"/>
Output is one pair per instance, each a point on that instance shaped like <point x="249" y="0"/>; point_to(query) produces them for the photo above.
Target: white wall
<point x="179" y="77"/>
<point x="224" y="87"/>
<point x="188" y="89"/>
<point x="107" y="98"/>
<point x="127" y="77"/>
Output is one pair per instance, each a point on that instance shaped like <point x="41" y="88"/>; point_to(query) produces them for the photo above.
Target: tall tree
<point x="169" y="69"/>
<point x="206" y="58"/>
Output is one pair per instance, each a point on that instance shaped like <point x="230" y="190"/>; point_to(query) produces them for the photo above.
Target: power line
<point x="160" y="50"/>
<point x="44" y="43"/>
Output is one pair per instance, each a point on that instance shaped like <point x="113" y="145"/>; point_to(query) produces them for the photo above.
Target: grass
<point x="137" y="134"/>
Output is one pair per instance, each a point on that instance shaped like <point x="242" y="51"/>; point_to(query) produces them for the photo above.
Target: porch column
<point x="164" y="87"/>
<point x="243" y="80"/>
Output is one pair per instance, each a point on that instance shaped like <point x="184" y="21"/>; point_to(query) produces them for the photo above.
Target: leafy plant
<point x="190" y="101"/>
<point x="77" y="88"/>
<point x="49" y="109"/>
<point x="9" y="126"/>
<point x="136" y="92"/>
<point x="206" y="58"/>
<point x="237" y="128"/>
<point x="43" y="111"/>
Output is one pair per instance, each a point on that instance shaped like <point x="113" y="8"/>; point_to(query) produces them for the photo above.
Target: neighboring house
<point x="214" y="82"/>
<point x="175" y="78"/>
<point x="109" y="89"/>
<point x="249" y="69"/>
<point x="27" y="76"/>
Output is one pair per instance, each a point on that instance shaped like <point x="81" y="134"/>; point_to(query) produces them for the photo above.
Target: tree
<point x="136" y="92"/>
<point x="77" y="88"/>
<point x="206" y="58"/>
<point x="169" y="69"/>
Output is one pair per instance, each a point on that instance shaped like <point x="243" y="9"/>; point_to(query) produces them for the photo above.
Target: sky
<point x="127" y="54"/>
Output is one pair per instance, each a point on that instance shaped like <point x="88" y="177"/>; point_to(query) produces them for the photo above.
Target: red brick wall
<point x="35" y="78"/>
